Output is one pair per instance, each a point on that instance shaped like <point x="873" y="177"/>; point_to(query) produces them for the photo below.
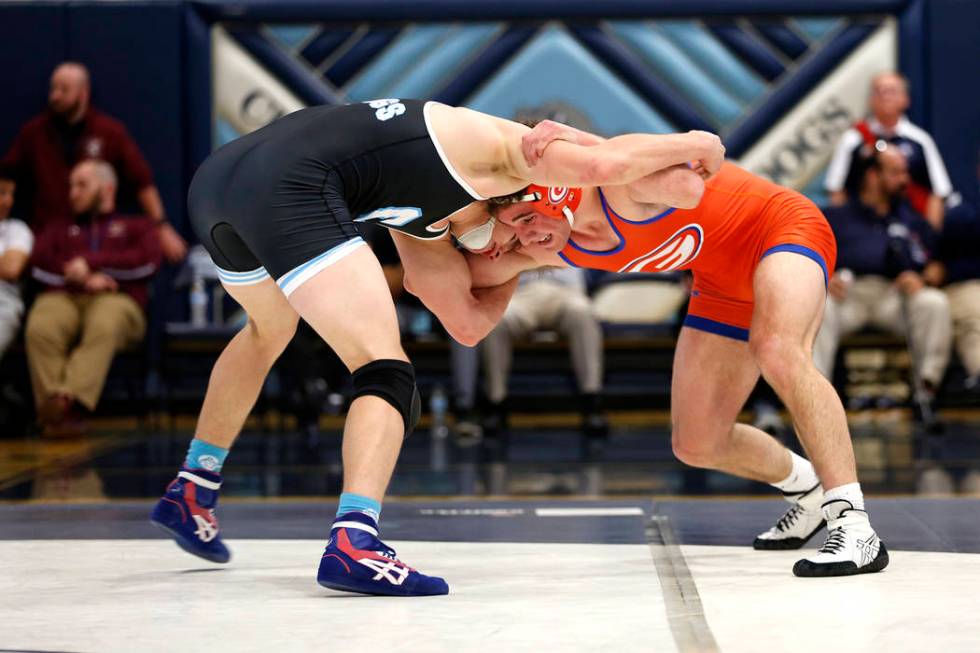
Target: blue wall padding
<point x="138" y="80"/>
<point x="302" y="81"/>
<point x="292" y="36"/>
<point x="619" y="58"/>
<point x="953" y="96"/>
<point x="406" y="52"/>
<point x="575" y="79"/>
<point x="787" y="95"/>
<point x="683" y="73"/>
<point x="197" y="104"/>
<point x="817" y="28"/>
<point x="752" y="51"/>
<point x="360" y="54"/>
<point x="431" y="71"/>
<point x="785" y="39"/>
<point x="913" y="40"/>
<point x="484" y="65"/>
<point x="324" y="44"/>
<point x="33" y="40"/>
<point x="714" y="58"/>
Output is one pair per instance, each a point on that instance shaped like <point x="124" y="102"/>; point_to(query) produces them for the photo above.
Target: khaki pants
<point x="964" y="304"/>
<point x="875" y="301"/>
<point x="545" y="305"/>
<point x="71" y="340"/>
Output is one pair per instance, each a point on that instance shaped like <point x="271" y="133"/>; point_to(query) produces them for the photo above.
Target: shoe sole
<point x="340" y="587"/>
<point x="179" y="539"/>
<point x="788" y="544"/>
<point x="807" y="569"/>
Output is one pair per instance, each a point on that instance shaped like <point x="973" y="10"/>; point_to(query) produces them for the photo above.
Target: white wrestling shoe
<point x="852" y="546"/>
<point x="795" y="528"/>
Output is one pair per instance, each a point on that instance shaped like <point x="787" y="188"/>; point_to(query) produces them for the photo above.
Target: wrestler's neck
<point x="591" y="229"/>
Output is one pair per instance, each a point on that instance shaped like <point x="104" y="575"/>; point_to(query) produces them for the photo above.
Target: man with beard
<point x="49" y="145"/>
<point x="884" y="247"/>
<point x="95" y="272"/>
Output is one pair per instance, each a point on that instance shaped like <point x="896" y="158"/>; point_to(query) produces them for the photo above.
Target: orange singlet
<point x="741" y="219"/>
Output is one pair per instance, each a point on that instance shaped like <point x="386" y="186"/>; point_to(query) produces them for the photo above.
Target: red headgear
<point x="555" y="202"/>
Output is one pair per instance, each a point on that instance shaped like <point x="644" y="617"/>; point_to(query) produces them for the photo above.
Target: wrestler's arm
<point x="678" y="186"/>
<point x="617" y="161"/>
<point x="438" y="274"/>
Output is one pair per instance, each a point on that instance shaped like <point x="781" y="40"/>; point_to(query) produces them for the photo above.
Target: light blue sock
<point x="350" y="501"/>
<point x="202" y="455"/>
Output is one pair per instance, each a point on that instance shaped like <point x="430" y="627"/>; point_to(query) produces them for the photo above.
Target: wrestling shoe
<point x="355" y="560"/>
<point x="186" y="512"/>
<point x="795" y="528"/>
<point x="852" y="546"/>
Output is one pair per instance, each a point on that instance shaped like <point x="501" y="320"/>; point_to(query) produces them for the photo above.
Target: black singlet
<point x="294" y="190"/>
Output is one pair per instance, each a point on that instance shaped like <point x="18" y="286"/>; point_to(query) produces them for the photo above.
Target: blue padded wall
<point x="33" y="40"/>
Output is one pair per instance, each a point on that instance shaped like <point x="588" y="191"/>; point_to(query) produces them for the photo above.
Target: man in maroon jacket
<point x="96" y="272"/>
<point x="50" y="144"/>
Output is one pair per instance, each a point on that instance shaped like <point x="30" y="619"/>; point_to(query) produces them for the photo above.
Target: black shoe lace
<point x="786" y="521"/>
<point x="835" y="542"/>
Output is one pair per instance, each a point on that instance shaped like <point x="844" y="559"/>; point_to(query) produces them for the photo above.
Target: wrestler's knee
<point x="698" y="447"/>
<point x="780" y="359"/>
<point x="270" y="338"/>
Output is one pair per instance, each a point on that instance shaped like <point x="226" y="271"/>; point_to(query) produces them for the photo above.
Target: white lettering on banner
<point x="797" y="148"/>
<point x="245" y="94"/>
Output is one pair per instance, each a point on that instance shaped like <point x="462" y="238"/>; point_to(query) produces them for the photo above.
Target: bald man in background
<point x="928" y="185"/>
<point x="49" y="145"/>
<point x="95" y="273"/>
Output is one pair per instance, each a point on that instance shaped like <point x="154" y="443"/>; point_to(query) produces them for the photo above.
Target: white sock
<point x="850" y="492"/>
<point x="801" y="477"/>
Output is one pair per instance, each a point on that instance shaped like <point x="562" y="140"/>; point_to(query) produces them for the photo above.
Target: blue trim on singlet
<point x="803" y="251"/>
<point x="615" y="250"/>
<point x="610" y="209"/>
<point x="717" y="328"/>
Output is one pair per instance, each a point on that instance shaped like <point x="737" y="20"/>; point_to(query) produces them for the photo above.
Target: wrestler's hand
<point x="909" y="282"/>
<point x="712" y="153"/>
<point x="534" y="142"/>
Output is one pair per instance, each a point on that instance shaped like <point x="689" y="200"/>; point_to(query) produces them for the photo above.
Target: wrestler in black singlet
<point x="285" y="199"/>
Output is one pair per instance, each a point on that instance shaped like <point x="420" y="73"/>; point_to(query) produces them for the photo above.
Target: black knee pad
<point x="393" y="381"/>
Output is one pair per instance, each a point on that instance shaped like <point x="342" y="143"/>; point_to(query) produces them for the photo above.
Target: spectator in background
<point x="958" y="265"/>
<point x="883" y="246"/>
<point x="551" y="298"/>
<point x="16" y="242"/>
<point x="96" y="271"/>
<point x="49" y="145"/>
<point x="929" y="184"/>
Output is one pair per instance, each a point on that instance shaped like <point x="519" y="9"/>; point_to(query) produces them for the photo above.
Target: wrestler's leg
<point x="713" y="376"/>
<point x="349" y="305"/>
<point x="789" y="304"/>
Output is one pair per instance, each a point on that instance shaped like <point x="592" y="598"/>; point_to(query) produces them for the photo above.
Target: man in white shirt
<point x="930" y="184"/>
<point x="16" y="242"/>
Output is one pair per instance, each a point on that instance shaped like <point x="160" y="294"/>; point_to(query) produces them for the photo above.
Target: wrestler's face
<point x="533" y="230"/>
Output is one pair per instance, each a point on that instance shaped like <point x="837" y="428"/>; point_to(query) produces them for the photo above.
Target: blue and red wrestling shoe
<point x="355" y="560"/>
<point x="186" y="512"/>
